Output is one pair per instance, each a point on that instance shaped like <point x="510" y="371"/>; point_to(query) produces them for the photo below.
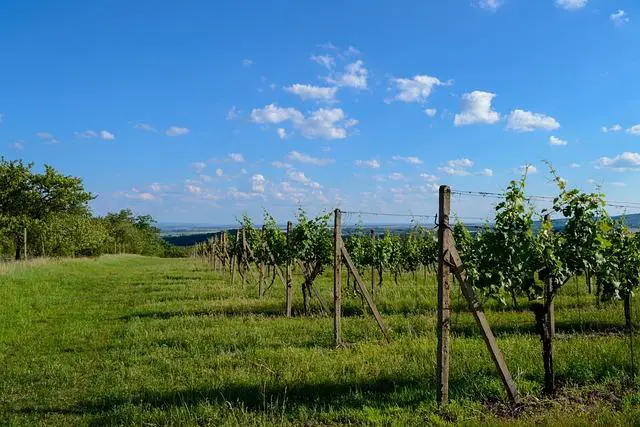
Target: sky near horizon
<point x="201" y="111"/>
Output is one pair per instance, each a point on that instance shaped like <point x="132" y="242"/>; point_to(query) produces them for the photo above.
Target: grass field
<point x="130" y="340"/>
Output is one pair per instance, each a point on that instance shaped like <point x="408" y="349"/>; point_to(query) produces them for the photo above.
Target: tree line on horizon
<point x="48" y="214"/>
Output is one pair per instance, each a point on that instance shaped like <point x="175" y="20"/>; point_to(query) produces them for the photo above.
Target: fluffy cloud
<point x="305" y="158"/>
<point x="397" y="176"/>
<point x="325" y="60"/>
<point x="571" y="4"/>
<point x="145" y="127"/>
<point x="272" y="114"/>
<point x="322" y="123"/>
<point x="553" y="140"/>
<point x="430" y="112"/>
<point x="487" y="172"/>
<point x="176" y="131"/>
<point x="219" y="172"/>
<point x="282" y="133"/>
<point x="371" y="164"/>
<point x="458" y="167"/>
<point x="139" y="195"/>
<point x="257" y="183"/>
<point x="614" y="128"/>
<point x="461" y="163"/>
<point x="618" y="184"/>
<point x="476" y="108"/>
<point x="199" y="166"/>
<point x="429" y="177"/>
<point x="315" y="93"/>
<point x="236" y="157"/>
<point x="528" y="169"/>
<point x="18" y="145"/>
<point x="107" y="136"/>
<point x="619" y="18"/>
<point x="247" y="62"/>
<point x="526" y="121"/>
<point x="354" y="76"/>
<point x="634" y="130"/>
<point x="300" y="177"/>
<point x="574" y="165"/>
<point x="281" y="165"/>
<point x="233" y="113"/>
<point x="491" y="5"/>
<point x="412" y="160"/>
<point x="622" y="162"/>
<point x="415" y="89"/>
<point x="49" y="138"/>
<point x="87" y="134"/>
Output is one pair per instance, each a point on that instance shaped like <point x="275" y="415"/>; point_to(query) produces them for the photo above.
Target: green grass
<point x="129" y="340"/>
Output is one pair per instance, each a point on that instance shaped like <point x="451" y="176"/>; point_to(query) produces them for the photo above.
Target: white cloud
<point x="614" y="128"/>
<point x="1" y="117"/>
<point x="371" y="164"/>
<point x="145" y="127"/>
<point x="257" y="183"/>
<point x="619" y="18"/>
<point x="236" y="157"/>
<point x="622" y="162"/>
<point x="205" y="178"/>
<point x="571" y="4"/>
<point x="247" y="62"/>
<point x="415" y="89"/>
<point x="412" y="160"/>
<point x="430" y="112"/>
<point x="325" y="60"/>
<point x="49" y="138"/>
<point x="476" y="108"/>
<point x="87" y="134"/>
<point x="553" y="140"/>
<point x="18" y="145"/>
<point x="281" y="165"/>
<point x="193" y="189"/>
<point x="454" y="171"/>
<point x="305" y="158"/>
<point x="199" y="166"/>
<point x="298" y="177"/>
<point x="397" y="176"/>
<point x="107" y="136"/>
<point x="491" y="5"/>
<point x="219" y="172"/>
<point x="272" y="114"/>
<point x="139" y="195"/>
<point x="618" y="184"/>
<point x="176" y="131"/>
<point x="282" y="133"/>
<point x="574" y="165"/>
<point x="634" y="130"/>
<point x="487" y="172"/>
<point x="354" y="76"/>
<point x="461" y="163"/>
<point x="233" y="113"/>
<point x="528" y="169"/>
<point x="316" y="93"/>
<point x="428" y="177"/>
<point x="526" y="121"/>
<point x="322" y="123"/>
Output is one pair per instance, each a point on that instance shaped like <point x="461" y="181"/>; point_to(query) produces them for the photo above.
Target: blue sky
<point x="199" y="111"/>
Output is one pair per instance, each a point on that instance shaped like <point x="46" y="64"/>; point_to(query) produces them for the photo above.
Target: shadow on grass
<point x="604" y="327"/>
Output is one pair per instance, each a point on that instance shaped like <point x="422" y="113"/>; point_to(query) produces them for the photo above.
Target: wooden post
<point x="26" y="257"/>
<point x="444" y="297"/>
<point x="373" y="269"/>
<point x="337" y="278"/>
<point x="261" y="279"/>
<point x="234" y="260"/>
<point x="548" y="299"/>
<point x="243" y="258"/>
<point x="289" y="281"/>
<point x="481" y="320"/>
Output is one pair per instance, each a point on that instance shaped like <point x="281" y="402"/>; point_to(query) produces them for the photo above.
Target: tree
<point x="27" y="197"/>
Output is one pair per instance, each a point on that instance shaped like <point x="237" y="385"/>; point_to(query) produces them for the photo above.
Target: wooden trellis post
<point x="261" y="267"/>
<point x="337" y="265"/>
<point x="448" y="258"/>
<point x="288" y="278"/>
<point x="373" y="268"/>
<point x="337" y="278"/>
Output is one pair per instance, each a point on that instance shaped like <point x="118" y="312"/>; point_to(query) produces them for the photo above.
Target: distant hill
<point x="189" y="235"/>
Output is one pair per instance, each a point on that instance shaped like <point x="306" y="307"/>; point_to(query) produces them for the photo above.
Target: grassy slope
<point x="133" y="340"/>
